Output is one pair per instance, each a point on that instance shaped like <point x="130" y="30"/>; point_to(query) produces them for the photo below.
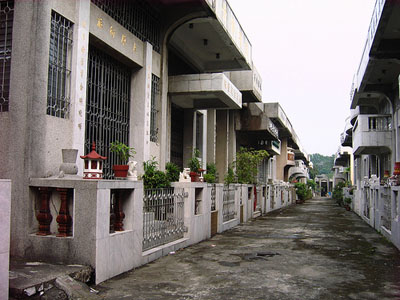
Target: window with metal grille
<point x="155" y="92"/>
<point x="137" y="16"/>
<point x="107" y="106"/>
<point x="6" y="25"/>
<point x="59" y="81"/>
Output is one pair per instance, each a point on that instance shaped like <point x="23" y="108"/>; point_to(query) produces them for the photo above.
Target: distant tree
<point x="322" y="164"/>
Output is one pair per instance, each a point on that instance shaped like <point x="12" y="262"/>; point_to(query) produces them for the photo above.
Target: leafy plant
<point x="301" y="190"/>
<point x="194" y="162"/>
<point x="211" y="173"/>
<point x="122" y="151"/>
<point x="246" y="164"/>
<point x="347" y="200"/>
<point x="229" y="177"/>
<point x="311" y="184"/>
<point x="337" y="193"/>
<point x="172" y="171"/>
<point x="152" y="177"/>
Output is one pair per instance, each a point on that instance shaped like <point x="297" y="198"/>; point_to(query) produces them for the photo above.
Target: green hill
<point x="322" y="164"/>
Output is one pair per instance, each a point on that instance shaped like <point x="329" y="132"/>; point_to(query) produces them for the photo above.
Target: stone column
<point x="5" y="213"/>
<point x="79" y="77"/>
<point x="211" y="135"/>
<point x="222" y="143"/>
<point x="140" y="109"/>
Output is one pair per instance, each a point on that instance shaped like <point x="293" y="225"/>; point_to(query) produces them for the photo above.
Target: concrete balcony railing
<point x="379" y="4"/>
<point x="372" y="134"/>
<point x="204" y="91"/>
<point x="249" y="83"/>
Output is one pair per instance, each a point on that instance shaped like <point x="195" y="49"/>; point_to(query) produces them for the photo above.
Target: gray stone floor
<point x="316" y="250"/>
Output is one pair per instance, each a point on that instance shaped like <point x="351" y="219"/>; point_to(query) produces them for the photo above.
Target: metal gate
<point x="107" y="105"/>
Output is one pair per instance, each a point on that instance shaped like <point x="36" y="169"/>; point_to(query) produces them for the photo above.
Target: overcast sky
<point x="307" y="52"/>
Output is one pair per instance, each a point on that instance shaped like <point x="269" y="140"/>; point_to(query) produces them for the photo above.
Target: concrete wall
<point x="5" y="213"/>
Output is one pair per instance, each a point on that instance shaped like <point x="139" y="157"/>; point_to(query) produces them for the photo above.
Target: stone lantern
<point x="93" y="167"/>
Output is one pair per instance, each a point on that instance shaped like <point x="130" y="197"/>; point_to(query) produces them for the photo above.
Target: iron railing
<point x="163" y="216"/>
<point x="387" y="208"/>
<point x="137" y="16"/>
<point x="107" y="106"/>
<point x="6" y="26"/>
<point x="213" y="197"/>
<point x="59" y="80"/>
<point x="228" y="207"/>
<point x="155" y="92"/>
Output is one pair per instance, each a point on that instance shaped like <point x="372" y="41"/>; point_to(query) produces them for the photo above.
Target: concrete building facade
<point x="164" y="77"/>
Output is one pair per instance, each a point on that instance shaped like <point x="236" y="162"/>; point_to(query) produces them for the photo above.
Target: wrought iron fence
<point x="387" y="208"/>
<point x="213" y="195"/>
<point x="163" y="216"/>
<point x="228" y="208"/>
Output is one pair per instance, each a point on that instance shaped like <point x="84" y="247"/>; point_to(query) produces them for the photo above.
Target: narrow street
<point x="312" y="251"/>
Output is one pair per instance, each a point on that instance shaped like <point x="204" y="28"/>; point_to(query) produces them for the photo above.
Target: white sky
<point x="307" y="52"/>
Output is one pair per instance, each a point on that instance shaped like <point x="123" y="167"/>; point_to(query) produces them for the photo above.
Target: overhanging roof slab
<point x="249" y="83"/>
<point x="204" y="91"/>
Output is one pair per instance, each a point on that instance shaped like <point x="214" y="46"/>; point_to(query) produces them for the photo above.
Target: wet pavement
<point x="316" y="250"/>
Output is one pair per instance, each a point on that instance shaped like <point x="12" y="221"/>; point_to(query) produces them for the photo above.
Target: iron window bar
<point x="58" y="85"/>
<point x="6" y="26"/>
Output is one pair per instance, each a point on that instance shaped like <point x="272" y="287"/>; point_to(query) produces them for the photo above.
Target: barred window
<point x="59" y="81"/>
<point x="6" y="23"/>
<point x="137" y="16"/>
<point x="155" y="92"/>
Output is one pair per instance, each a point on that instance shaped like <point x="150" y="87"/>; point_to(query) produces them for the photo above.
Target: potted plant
<point x="347" y="202"/>
<point x="123" y="153"/>
<point x="154" y="178"/>
<point x="194" y="165"/>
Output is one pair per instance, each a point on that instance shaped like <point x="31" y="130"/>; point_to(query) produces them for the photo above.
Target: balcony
<point x="378" y="69"/>
<point x="211" y="39"/>
<point x="249" y="83"/>
<point x="204" y="91"/>
<point x="299" y="170"/>
<point x="372" y="134"/>
<point x="290" y="157"/>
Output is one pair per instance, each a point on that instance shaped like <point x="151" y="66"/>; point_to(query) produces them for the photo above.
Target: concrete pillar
<point x="188" y="131"/>
<point x="231" y="137"/>
<point x="222" y="143"/>
<point x="140" y="109"/>
<point x="79" y="78"/>
<point x="211" y="135"/>
<point x="5" y="213"/>
<point x="281" y="160"/>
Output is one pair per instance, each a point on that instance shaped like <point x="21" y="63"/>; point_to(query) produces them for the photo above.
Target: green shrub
<point x="229" y="177"/>
<point x="194" y="162"/>
<point x="246" y="164"/>
<point x="211" y="173"/>
<point x="152" y="177"/>
<point x="172" y="171"/>
<point x="302" y="190"/>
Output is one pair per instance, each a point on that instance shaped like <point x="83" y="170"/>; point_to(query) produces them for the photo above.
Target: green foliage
<point x="123" y="151"/>
<point x="302" y="191"/>
<point x="194" y="162"/>
<point x="311" y="184"/>
<point x="172" y="171"/>
<point x="152" y="177"/>
<point x="337" y="193"/>
<point x="246" y="164"/>
<point x="321" y="165"/>
<point x="211" y="174"/>
<point x="347" y="201"/>
<point x="229" y="177"/>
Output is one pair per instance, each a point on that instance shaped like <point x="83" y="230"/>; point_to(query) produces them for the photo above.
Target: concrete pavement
<point x="316" y="250"/>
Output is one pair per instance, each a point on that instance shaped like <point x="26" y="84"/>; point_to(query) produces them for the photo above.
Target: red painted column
<point x="64" y="219"/>
<point x="44" y="216"/>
